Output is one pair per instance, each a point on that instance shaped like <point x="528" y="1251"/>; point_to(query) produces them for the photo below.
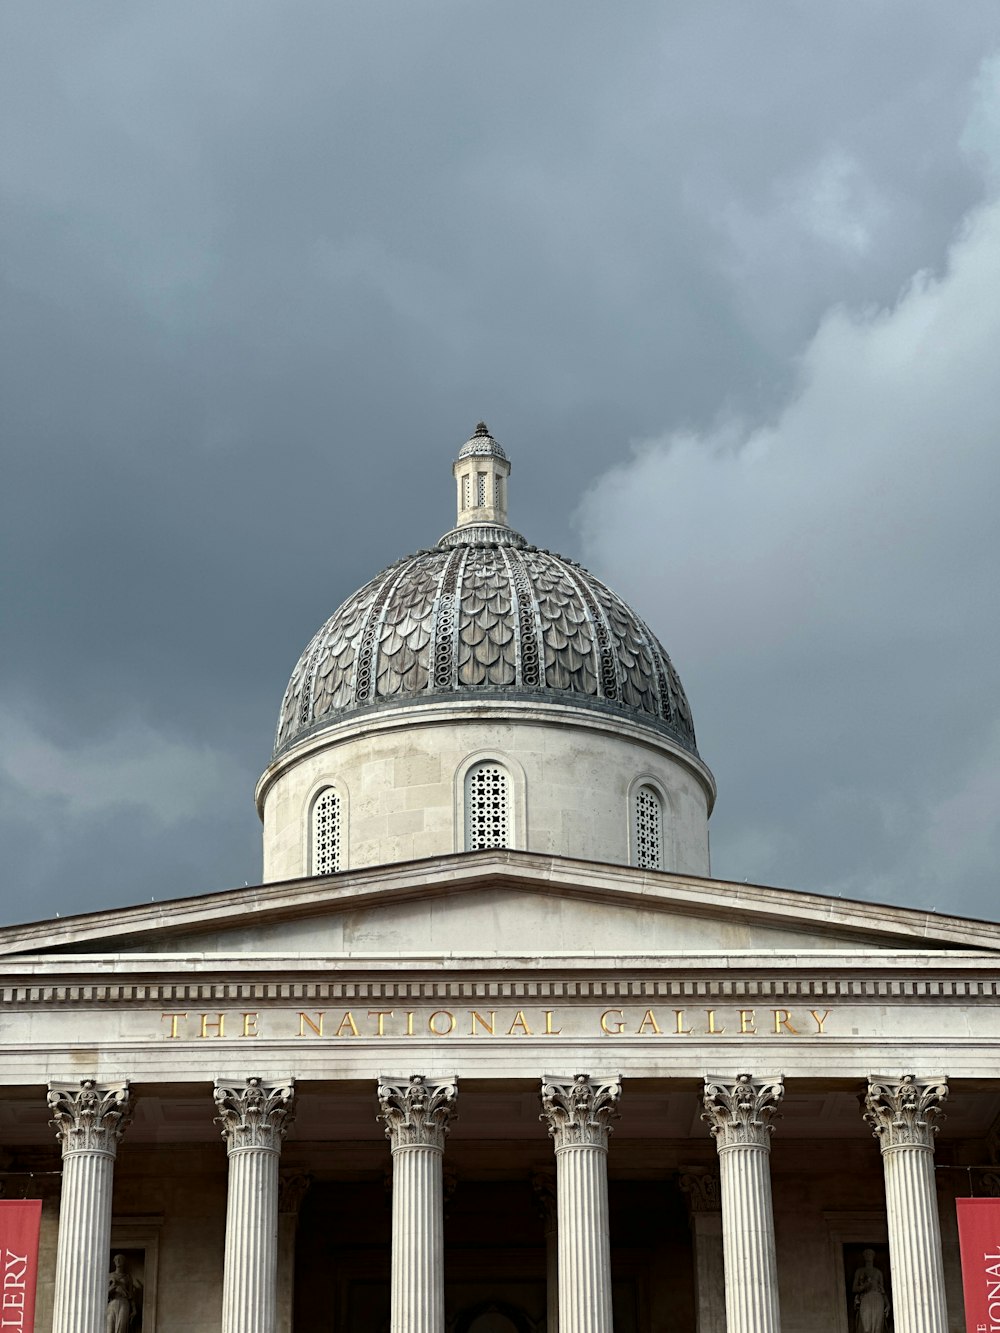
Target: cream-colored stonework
<point x="400" y="774"/>
<point x="478" y="968"/>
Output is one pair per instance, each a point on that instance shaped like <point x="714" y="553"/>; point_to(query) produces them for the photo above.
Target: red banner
<point x="979" y="1237"/>
<point x="19" y="1223"/>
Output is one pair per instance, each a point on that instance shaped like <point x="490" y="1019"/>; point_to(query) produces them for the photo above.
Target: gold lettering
<point x="619" y="1025"/>
<point x="486" y="1026"/>
<point x="550" y="1031"/>
<point x="680" y="1030"/>
<point x="380" y="1015"/>
<point x="305" y="1021"/>
<point x="747" y="1019"/>
<point x="409" y="1022"/>
<point x="250" y="1025"/>
<point x="441" y="1013"/>
<point x="220" y="1026"/>
<point x="783" y="1019"/>
<point x="519" y="1023"/>
<point x="173" y="1022"/>
<point x="820" y="1021"/>
<point x="712" y="1030"/>
<point x="348" y="1023"/>
<point x="648" y="1020"/>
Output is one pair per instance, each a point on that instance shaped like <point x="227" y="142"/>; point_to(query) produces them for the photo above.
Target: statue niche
<point x="866" y="1268"/>
<point x="125" y="1291"/>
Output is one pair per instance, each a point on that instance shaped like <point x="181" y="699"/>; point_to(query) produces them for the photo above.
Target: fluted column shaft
<point x="292" y="1189"/>
<point x="578" y="1112"/>
<point x="703" y="1191"/>
<point x="544" y="1185"/>
<point x="904" y="1115"/>
<point x="739" y="1113"/>
<point x="89" y="1122"/>
<point x="254" y="1117"/>
<point x="417" y="1113"/>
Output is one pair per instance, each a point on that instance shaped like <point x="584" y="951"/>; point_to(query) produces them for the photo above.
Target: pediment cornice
<point x="848" y="922"/>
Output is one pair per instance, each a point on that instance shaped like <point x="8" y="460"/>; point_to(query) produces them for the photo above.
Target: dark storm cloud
<point x="264" y="266"/>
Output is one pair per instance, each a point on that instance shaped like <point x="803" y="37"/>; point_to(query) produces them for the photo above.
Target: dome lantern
<point x="481" y="471"/>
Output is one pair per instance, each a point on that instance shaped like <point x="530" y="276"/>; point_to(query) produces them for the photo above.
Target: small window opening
<point x="326" y="833"/>
<point x="648" y="829"/>
<point x="487" y="807"/>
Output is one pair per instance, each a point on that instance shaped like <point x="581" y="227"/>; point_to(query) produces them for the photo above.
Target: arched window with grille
<point x="647" y="828"/>
<point x="487" y="806"/>
<point x="326" y="834"/>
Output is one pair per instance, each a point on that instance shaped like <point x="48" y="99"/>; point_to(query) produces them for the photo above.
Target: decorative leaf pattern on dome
<point x="605" y="655"/>
<point x="636" y="669"/>
<point x="567" y="633"/>
<point x="403" y="661"/>
<point x="486" y="627"/>
<point x="527" y="664"/>
<point x="444" y="627"/>
<point x="341" y="637"/>
<point x="682" y="709"/>
<point x="291" y="704"/>
<point x="483" y="614"/>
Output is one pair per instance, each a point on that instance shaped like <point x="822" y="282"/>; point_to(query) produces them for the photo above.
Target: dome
<point x="484" y="616"/>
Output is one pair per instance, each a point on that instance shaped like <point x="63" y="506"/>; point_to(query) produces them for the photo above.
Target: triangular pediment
<point x="507" y="904"/>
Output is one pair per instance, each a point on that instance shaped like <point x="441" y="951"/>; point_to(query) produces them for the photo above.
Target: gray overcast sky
<point x="721" y="276"/>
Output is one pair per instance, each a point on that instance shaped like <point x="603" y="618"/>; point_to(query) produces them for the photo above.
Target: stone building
<point x="489" y="1050"/>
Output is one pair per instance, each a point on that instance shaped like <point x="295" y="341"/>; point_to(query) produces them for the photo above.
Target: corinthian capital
<point x="739" y="1111"/>
<point x="579" y="1110"/>
<point x="92" y="1117"/>
<point x="905" y="1112"/>
<point x="254" y="1114"/>
<point x="417" y="1111"/>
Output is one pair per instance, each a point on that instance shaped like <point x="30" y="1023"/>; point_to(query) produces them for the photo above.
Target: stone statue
<point x="123" y="1298"/>
<point x="871" y="1304"/>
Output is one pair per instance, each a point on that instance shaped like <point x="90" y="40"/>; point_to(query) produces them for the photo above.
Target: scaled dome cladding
<point x="484" y="616"/>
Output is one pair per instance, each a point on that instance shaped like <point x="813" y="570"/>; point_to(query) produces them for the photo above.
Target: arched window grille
<point x="326" y="833"/>
<point x="647" y="829"/>
<point x="487" y="807"/>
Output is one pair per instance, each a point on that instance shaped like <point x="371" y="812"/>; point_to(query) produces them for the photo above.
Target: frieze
<point x="507" y="1021"/>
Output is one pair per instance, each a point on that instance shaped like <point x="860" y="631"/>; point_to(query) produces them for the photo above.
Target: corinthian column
<point x="578" y="1112"/>
<point x="254" y="1117"/>
<point x="704" y="1198"/>
<point x="293" y="1186"/>
<point x="416" y="1112"/>
<point x="88" y="1121"/>
<point x="544" y="1185"/>
<point x="739" y="1112"/>
<point x="904" y="1115"/>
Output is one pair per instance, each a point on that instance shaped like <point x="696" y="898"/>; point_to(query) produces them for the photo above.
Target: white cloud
<point x="828" y="585"/>
<point x="838" y="204"/>
<point x="135" y="768"/>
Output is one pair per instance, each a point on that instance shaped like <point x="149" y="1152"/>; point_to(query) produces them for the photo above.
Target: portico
<point x="674" y="1139"/>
